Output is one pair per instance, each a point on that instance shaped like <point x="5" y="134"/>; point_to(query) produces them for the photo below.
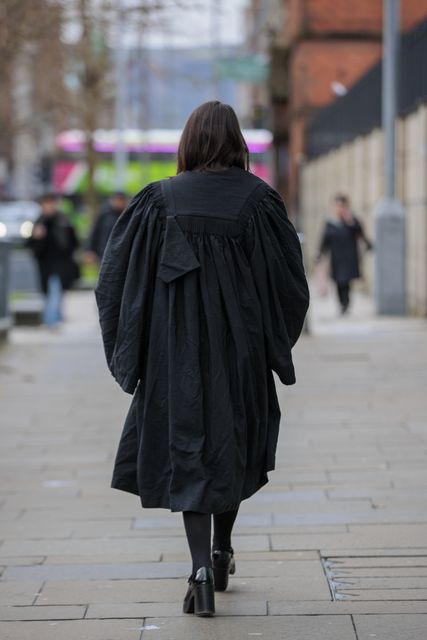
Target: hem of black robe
<point x="125" y="486"/>
<point x="346" y="280"/>
<point x="285" y="371"/>
<point x="163" y="502"/>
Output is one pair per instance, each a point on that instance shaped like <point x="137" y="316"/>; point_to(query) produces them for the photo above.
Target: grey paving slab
<point x="399" y="552"/>
<point x="118" y="558"/>
<point x="21" y="560"/>
<point x="273" y="628"/>
<point x="395" y="593"/>
<point x="34" y="530"/>
<point x="259" y="556"/>
<point x="411" y="533"/>
<point x="291" y="530"/>
<point x="112" y="591"/>
<point x="315" y="507"/>
<point x="99" y="571"/>
<point x="18" y="593"/>
<point x="340" y="516"/>
<point x="139" y="570"/>
<point x="280" y="568"/>
<point x="42" y="613"/>
<point x="115" y="545"/>
<point x="407" y="563"/>
<point x="99" y="528"/>
<point x="41" y="499"/>
<point x="224" y="605"/>
<point x="306" y="541"/>
<point x="107" y="558"/>
<point x="382" y="536"/>
<point x="391" y="627"/>
<point x="83" y="510"/>
<point x="10" y="515"/>
<point x="344" y="607"/>
<point x="65" y="630"/>
<point x="280" y="496"/>
<point x="85" y="547"/>
<point x="381" y="571"/>
<point x="245" y="520"/>
<point x="291" y="586"/>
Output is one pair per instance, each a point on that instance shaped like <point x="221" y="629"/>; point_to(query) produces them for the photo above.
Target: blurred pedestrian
<point x="105" y="221"/>
<point x="340" y="239"/>
<point x="201" y="295"/>
<point x="53" y="242"/>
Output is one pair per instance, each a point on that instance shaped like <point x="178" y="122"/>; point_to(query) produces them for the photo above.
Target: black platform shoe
<point x="222" y="564"/>
<point x="200" y="597"/>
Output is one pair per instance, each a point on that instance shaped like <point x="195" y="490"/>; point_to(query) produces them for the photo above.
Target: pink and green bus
<point x="151" y="155"/>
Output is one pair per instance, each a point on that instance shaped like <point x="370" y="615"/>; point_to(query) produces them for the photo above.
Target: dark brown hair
<point x="341" y="198"/>
<point x="212" y="138"/>
<point x="48" y="196"/>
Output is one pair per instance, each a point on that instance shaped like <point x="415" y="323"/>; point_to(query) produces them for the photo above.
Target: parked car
<point x="17" y="218"/>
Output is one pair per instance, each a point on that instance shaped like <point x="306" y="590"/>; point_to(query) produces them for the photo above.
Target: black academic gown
<point x="201" y="295"/>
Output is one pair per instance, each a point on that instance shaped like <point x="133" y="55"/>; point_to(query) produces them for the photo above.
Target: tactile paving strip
<point x="377" y="577"/>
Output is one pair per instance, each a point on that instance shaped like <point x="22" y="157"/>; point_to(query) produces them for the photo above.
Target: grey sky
<point x="199" y="22"/>
<point x="196" y="26"/>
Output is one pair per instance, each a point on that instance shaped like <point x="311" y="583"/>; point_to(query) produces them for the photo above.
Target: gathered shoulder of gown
<point x="201" y="296"/>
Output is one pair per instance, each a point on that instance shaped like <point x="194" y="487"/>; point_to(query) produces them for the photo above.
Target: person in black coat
<point x="104" y="223"/>
<point x="53" y="242"/>
<point x="202" y="294"/>
<point x="340" y="239"/>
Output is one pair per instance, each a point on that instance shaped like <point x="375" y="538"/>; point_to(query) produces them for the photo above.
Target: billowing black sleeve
<point x="125" y="287"/>
<point x="275" y="256"/>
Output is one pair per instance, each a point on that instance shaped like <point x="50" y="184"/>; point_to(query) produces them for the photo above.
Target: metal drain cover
<point x="377" y="577"/>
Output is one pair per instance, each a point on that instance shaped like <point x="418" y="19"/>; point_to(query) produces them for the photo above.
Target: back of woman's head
<point x="212" y="138"/>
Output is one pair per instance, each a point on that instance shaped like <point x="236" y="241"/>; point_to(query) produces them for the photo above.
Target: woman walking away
<point x="340" y="238"/>
<point x="201" y="295"/>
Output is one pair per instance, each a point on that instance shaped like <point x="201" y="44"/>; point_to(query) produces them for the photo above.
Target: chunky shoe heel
<point x="200" y="596"/>
<point x="204" y="600"/>
<point x="223" y="565"/>
<point x="188" y="606"/>
<point x="221" y="579"/>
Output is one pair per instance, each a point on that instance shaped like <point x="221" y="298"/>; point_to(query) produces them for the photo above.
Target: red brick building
<point x="322" y="47"/>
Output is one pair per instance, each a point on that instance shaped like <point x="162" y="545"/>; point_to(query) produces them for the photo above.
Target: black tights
<point x="343" y="291"/>
<point x="198" y="530"/>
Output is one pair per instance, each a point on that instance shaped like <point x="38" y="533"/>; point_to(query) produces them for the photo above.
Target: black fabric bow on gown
<point x="177" y="256"/>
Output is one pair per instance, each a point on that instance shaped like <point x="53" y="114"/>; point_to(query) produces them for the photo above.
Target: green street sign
<point x="252" y="68"/>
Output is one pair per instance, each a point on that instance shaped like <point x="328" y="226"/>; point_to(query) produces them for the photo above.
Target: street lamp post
<point x="390" y="254"/>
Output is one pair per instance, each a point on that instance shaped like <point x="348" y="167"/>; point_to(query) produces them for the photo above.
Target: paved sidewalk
<point x="333" y="548"/>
